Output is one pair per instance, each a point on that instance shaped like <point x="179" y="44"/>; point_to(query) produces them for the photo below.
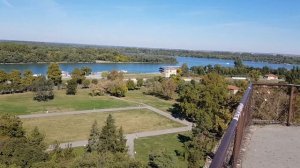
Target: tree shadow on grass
<point x="177" y="112"/>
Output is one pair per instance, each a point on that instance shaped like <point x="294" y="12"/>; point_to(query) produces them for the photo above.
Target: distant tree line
<point x="291" y="76"/>
<point x="259" y="57"/>
<point x="33" y="53"/>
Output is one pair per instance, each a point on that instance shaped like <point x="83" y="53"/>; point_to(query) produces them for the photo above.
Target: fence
<point x="270" y="103"/>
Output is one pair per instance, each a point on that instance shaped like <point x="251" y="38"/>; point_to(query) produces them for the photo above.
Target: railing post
<point x="290" y="113"/>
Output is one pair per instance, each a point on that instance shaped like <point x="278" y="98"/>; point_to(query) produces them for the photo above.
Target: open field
<point x="169" y="142"/>
<point x="23" y="103"/>
<point x="77" y="127"/>
<point x="139" y="97"/>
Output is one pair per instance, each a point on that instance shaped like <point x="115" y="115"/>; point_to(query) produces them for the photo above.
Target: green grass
<point x="168" y="142"/>
<point x="139" y="97"/>
<point x="23" y="103"/>
<point x="77" y="127"/>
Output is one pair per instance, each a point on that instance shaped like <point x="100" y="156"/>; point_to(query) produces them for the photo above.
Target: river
<point x="137" y="67"/>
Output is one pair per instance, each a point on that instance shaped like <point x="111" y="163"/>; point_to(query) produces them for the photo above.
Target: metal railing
<point x="228" y="152"/>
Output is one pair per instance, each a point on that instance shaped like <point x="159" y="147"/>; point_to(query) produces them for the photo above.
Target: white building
<point x="167" y="71"/>
<point x="271" y="77"/>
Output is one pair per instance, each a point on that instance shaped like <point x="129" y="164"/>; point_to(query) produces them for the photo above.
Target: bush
<point x="86" y="83"/>
<point x="130" y="84"/>
<point x="118" y="88"/>
<point x="71" y="87"/>
<point x="43" y="89"/>
<point x="94" y="81"/>
<point x="140" y="82"/>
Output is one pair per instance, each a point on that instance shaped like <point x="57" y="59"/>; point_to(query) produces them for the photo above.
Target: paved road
<point x="273" y="146"/>
<point x="80" y="112"/>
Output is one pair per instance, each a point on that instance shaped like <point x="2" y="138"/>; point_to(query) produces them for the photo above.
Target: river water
<point x="137" y="67"/>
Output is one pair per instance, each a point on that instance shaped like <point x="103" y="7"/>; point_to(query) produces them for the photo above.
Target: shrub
<point x="118" y="88"/>
<point x="71" y="87"/>
<point x="130" y="84"/>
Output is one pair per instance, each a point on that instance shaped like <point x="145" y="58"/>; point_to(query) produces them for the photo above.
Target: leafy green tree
<point x="3" y="76"/>
<point x="118" y="88"/>
<point x="78" y="75"/>
<point x="293" y="76"/>
<point x="27" y="79"/>
<point x="106" y="159"/>
<point x="86" y="83"/>
<point x="169" y="87"/>
<point x="54" y="73"/>
<point x="86" y="70"/>
<point x="207" y="103"/>
<point x="71" y="87"/>
<point x="254" y="75"/>
<point x="130" y="85"/>
<point x="160" y="159"/>
<point x="11" y="126"/>
<point x="184" y="69"/>
<point x="16" y="80"/>
<point x="140" y="82"/>
<point x="238" y="63"/>
<point x="43" y="89"/>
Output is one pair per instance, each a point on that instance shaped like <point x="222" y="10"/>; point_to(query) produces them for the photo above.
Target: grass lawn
<point x="139" y="97"/>
<point x="77" y="127"/>
<point x="23" y="103"/>
<point x="168" y="142"/>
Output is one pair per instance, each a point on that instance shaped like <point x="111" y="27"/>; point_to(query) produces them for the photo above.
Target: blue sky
<point x="228" y="25"/>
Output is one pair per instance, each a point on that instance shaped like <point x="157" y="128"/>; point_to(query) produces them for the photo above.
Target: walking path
<point x="273" y="146"/>
<point x="80" y="112"/>
<point x="130" y="137"/>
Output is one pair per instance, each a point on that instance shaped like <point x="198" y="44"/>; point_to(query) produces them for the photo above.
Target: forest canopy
<point x="32" y="52"/>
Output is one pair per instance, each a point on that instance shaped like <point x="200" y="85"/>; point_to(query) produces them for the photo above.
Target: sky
<point x="269" y="26"/>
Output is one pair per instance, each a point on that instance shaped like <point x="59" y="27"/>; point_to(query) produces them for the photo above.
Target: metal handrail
<point x="220" y="156"/>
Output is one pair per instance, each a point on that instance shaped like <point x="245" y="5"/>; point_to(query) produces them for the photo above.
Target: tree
<point x="16" y="80"/>
<point x="140" y="82"/>
<point x="160" y="159"/>
<point x="43" y="89"/>
<point x="16" y="148"/>
<point x="36" y="139"/>
<point x="94" y="81"/>
<point x="78" y="75"/>
<point x="54" y="73"/>
<point x="111" y="140"/>
<point x="130" y="85"/>
<point x="238" y="63"/>
<point x="168" y="88"/>
<point x="184" y="69"/>
<point x="115" y="75"/>
<point x="254" y="75"/>
<point x="86" y="70"/>
<point x="86" y="83"/>
<point x="93" y="141"/>
<point x="207" y="103"/>
<point x="118" y="88"/>
<point x="3" y="76"/>
<point x="27" y="80"/>
<point x="11" y="126"/>
<point x="71" y="87"/>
